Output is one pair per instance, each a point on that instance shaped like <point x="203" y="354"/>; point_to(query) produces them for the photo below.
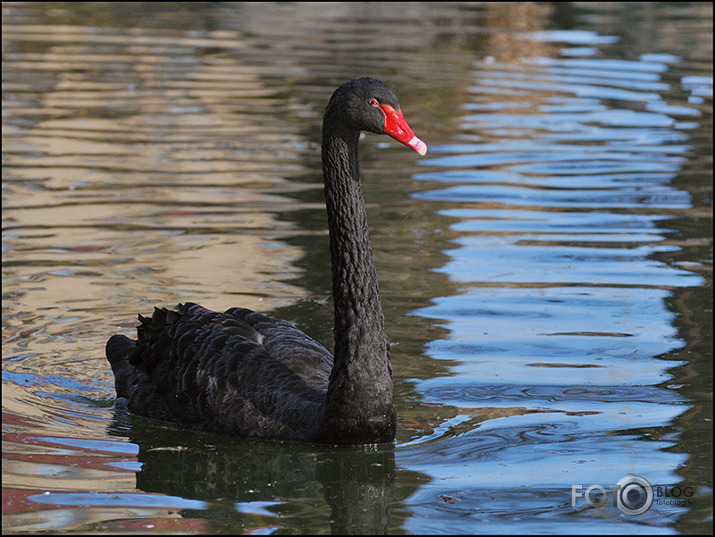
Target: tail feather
<point x="129" y="363"/>
<point x="119" y="350"/>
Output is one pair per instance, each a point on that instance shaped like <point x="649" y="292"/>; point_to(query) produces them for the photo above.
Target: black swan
<point x="246" y="374"/>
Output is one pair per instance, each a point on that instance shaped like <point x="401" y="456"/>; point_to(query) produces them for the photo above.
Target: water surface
<point x="546" y="269"/>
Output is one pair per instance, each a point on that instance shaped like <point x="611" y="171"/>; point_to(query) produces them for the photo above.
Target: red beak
<point x="396" y="126"/>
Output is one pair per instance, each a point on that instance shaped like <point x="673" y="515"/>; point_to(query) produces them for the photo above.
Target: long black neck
<point x="359" y="404"/>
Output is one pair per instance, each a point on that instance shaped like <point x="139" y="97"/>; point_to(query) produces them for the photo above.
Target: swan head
<point x="367" y="104"/>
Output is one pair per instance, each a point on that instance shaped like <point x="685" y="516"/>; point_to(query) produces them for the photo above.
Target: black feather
<point x="246" y="374"/>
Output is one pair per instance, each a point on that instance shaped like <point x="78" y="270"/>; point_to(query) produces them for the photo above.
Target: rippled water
<point x="546" y="269"/>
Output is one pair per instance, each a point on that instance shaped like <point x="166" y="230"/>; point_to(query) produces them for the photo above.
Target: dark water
<point x="546" y="268"/>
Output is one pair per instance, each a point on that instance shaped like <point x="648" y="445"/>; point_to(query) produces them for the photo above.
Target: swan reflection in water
<point x="236" y="479"/>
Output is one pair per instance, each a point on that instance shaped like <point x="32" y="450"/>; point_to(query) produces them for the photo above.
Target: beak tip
<point x="418" y="145"/>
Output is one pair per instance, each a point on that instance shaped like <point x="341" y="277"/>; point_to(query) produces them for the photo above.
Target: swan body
<point x="246" y="374"/>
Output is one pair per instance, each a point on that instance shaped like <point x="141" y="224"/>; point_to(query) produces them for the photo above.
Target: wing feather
<point x="238" y="372"/>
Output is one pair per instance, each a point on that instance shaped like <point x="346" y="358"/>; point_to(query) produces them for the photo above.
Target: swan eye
<point x="373" y="102"/>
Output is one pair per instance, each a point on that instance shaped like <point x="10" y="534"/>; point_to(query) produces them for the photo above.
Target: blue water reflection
<point x="561" y="196"/>
<point x="557" y="335"/>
